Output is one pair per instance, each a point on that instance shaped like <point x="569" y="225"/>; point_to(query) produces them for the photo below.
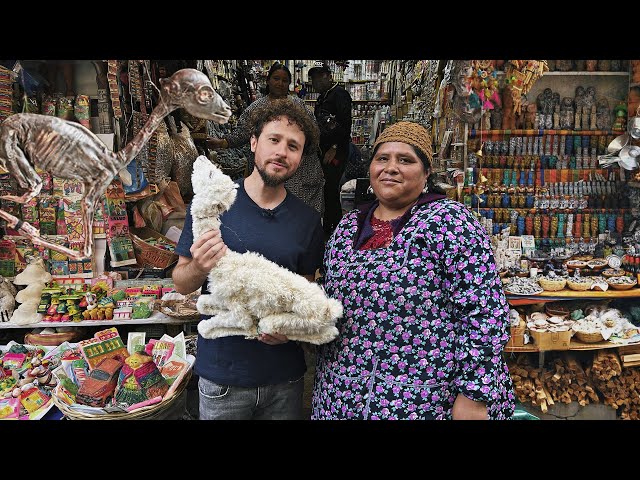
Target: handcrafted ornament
<point x="466" y="104"/>
<point x="484" y="81"/>
<point x="69" y="150"/>
<point x="521" y="75"/>
<point x="139" y="380"/>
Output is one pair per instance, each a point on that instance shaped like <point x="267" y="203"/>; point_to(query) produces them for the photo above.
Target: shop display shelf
<point x="156" y="318"/>
<point x="586" y="74"/>
<point x="573" y="345"/>
<point x="533" y="132"/>
<point x="566" y="294"/>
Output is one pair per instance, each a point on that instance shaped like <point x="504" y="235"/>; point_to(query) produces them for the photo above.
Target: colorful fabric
<point x="382" y="234"/>
<point x="424" y="319"/>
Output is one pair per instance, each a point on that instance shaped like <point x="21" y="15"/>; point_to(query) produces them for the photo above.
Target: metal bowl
<point x="617" y="143"/>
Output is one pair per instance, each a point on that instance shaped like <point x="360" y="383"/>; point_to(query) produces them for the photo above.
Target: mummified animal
<point x="69" y="150"/>
<point x="249" y="294"/>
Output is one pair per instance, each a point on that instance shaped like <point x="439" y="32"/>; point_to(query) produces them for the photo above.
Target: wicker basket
<point x="589" y="337"/>
<point x="178" y="309"/>
<point x="552" y="284"/>
<point x="150" y="255"/>
<point x="556" y="310"/>
<point x="622" y="286"/>
<point x="145" y="413"/>
<point x="51" y="339"/>
<point x="578" y="286"/>
<point x="597" y="264"/>
<point x="610" y="273"/>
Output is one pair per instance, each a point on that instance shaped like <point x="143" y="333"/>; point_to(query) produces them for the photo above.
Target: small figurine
<point x="578" y="103"/>
<point x="566" y="114"/>
<point x="564" y="65"/>
<point x="620" y="122"/>
<point x="496" y="118"/>
<point x="508" y="114"/>
<point x="530" y="116"/>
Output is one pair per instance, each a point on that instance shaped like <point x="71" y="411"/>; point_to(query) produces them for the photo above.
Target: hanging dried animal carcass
<point x="69" y="150"/>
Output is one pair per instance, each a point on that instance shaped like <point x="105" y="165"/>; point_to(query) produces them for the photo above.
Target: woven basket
<point x="51" y="339"/>
<point x="150" y="255"/>
<point x="580" y="287"/>
<point x="589" y="337"/>
<point x="552" y="310"/>
<point x="552" y="285"/>
<point x="144" y="413"/>
<point x="610" y="273"/>
<point x="622" y="286"/>
<point x="177" y="309"/>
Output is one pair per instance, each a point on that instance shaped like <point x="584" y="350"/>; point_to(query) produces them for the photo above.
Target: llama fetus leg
<point x="33" y="234"/>
<point x="14" y="160"/>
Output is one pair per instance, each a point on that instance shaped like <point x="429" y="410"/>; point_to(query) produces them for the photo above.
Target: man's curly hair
<point x="293" y="111"/>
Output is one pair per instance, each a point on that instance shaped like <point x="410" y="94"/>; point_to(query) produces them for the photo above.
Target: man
<point x="333" y="112"/>
<point x="263" y="378"/>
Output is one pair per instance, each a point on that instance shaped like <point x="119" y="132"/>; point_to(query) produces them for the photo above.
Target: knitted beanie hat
<point x="407" y="132"/>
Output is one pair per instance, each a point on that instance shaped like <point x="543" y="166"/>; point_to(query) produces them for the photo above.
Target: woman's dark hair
<point x="426" y="163"/>
<point x="274" y="68"/>
<point x="289" y="109"/>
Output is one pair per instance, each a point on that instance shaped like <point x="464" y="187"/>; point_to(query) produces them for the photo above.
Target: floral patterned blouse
<point x="424" y="319"/>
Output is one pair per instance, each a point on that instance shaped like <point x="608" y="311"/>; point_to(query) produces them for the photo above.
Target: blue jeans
<point x="271" y="402"/>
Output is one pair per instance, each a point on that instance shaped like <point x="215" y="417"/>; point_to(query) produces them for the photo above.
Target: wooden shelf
<point x="573" y="345"/>
<point x="563" y="295"/>
<point x="587" y="74"/>
<point x="354" y="101"/>
<point x="476" y="133"/>
<point x="156" y="318"/>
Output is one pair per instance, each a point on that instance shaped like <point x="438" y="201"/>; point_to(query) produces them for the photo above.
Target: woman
<point x="308" y="181"/>
<point x="425" y="317"/>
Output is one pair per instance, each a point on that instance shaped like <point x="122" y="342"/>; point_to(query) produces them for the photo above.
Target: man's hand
<point x="206" y="251"/>
<point x="329" y="156"/>
<point x="273" y="339"/>
<point x="466" y="409"/>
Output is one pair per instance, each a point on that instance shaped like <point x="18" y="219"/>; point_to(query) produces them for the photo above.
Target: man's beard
<point x="272" y="180"/>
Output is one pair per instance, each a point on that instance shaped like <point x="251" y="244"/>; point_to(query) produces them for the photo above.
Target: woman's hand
<point x="273" y="339"/>
<point x="207" y="250"/>
<point x="466" y="409"/>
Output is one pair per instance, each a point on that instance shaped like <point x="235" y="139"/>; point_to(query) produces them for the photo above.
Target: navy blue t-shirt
<point x="290" y="235"/>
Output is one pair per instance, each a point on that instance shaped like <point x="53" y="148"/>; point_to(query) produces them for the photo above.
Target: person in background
<point x="333" y="113"/>
<point x="425" y="316"/>
<point x="257" y="378"/>
<point x="308" y="181"/>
